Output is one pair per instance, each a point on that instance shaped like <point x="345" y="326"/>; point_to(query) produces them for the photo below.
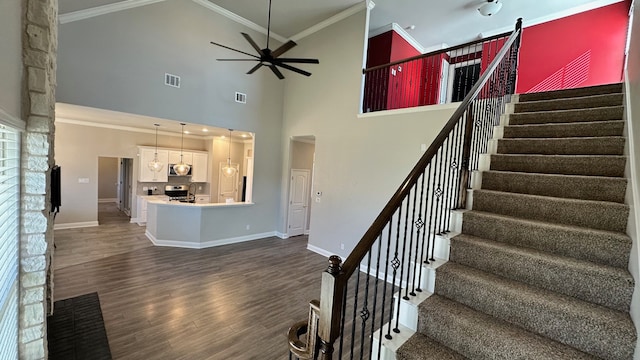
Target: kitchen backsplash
<point x="201" y="188"/>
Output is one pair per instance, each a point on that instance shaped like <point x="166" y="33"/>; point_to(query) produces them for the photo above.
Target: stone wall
<point x="36" y="248"/>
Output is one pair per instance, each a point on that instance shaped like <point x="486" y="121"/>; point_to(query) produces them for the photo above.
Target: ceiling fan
<point x="270" y="58"/>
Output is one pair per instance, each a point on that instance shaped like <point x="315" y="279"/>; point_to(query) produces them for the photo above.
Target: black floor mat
<point x="76" y="331"/>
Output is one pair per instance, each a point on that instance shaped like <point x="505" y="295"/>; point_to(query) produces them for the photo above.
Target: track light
<point x="491" y="7"/>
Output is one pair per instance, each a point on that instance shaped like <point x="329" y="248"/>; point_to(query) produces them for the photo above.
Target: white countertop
<point x="164" y="202"/>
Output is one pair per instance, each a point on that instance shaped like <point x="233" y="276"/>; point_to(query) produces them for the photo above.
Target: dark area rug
<point x="76" y="330"/>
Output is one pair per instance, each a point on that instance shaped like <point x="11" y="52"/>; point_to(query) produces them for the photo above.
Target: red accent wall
<point x="579" y="50"/>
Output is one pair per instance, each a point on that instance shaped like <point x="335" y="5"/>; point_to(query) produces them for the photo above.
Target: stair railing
<point x="364" y="295"/>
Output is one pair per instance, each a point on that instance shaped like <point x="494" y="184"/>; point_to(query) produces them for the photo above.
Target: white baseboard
<point x="207" y="244"/>
<point x="75" y="225"/>
<point x="306" y="232"/>
<point x="282" y="235"/>
<point x="320" y="251"/>
<point x="108" y="200"/>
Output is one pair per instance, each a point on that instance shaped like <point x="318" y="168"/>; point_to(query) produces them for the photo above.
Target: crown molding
<point x="400" y="31"/>
<point x="332" y="20"/>
<point x="102" y="10"/>
<point x="10" y="120"/>
<point x="555" y="16"/>
<point x="237" y="18"/>
<point x="62" y="120"/>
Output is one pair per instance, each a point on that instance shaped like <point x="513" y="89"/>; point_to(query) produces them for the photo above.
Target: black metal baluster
<point x="453" y="184"/>
<point x="413" y="219"/>
<point x="365" y="313"/>
<point x="425" y="244"/>
<point x="355" y="311"/>
<point x="403" y="264"/>
<point x="440" y="189"/>
<point x="417" y="260"/>
<point x="384" y="288"/>
<point x="375" y="299"/>
<point x="395" y="263"/>
<point x="433" y="201"/>
<point x="437" y="193"/>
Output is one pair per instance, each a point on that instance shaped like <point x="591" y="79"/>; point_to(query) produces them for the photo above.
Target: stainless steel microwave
<point x="172" y="172"/>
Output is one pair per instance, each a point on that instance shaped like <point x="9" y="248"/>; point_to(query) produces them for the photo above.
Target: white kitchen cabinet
<point x="200" y="169"/>
<point x="203" y="199"/>
<point x="174" y="157"/>
<point x="145" y="174"/>
<point x="141" y="215"/>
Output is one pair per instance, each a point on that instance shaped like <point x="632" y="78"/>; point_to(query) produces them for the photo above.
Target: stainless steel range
<point x="179" y="193"/>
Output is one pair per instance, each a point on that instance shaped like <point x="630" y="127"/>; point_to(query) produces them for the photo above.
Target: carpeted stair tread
<point x="568" y="93"/>
<point x="589" y="165"/>
<point x="597" y="188"/>
<point x="421" y="347"/>
<point x="559" y="130"/>
<point x="482" y="337"/>
<point x="599" y="284"/>
<point x="600" y="215"/>
<point x="590" y="328"/>
<point x="581" y="102"/>
<point x="598" y="246"/>
<point x="607" y="145"/>
<point x="566" y="116"/>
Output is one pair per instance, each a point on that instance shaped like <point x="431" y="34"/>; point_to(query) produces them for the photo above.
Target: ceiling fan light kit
<point x="491" y="7"/>
<point x="270" y="58"/>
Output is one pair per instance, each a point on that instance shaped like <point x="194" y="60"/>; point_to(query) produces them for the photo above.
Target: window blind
<point x="9" y="240"/>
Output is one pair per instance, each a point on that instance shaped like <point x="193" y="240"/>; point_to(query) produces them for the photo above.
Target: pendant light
<point x="181" y="168"/>
<point x="229" y="170"/>
<point x="155" y="165"/>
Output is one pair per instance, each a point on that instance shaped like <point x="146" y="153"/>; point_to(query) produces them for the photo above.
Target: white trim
<point x="103" y="10"/>
<point x="307" y="232"/>
<point x="321" y="251"/>
<point x="108" y="200"/>
<point x="128" y="128"/>
<point x="410" y="110"/>
<point x="237" y="18"/>
<point x="10" y="120"/>
<point x="400" y="31"/>
<point x="635" y="182"/>
<point x="330" y="21"/>
<point x="207" y="244"/>
<point x="75" y="225"/>
<point x="554" y="16"/>
<point x="282" y="235"/>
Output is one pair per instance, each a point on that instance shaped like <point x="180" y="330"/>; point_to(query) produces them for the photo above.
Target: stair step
<point x="599" y="284"/>
<point x="568" y="93"/>
<point x="576" y="129"/>
<point x="608" y="145"/>
<point x="597" y="188"/>
<point x="567" y="116"/>
<point x="593" y="329"/>
<point x="582" y="102"/>
<point x="421" y="347"/>
<point x="600" y="215"/>
<point x="588" y="165"/>
<point x="482" y="337"/>
<point x="598" y="246"/>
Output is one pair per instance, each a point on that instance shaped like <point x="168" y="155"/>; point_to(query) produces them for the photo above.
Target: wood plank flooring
<point x="228" y="302"/>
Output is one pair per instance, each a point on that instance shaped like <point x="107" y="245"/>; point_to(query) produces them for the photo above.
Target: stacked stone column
<point x="39" y="45"/>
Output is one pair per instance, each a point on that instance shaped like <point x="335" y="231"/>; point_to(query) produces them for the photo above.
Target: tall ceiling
<point x="448" y="22"/>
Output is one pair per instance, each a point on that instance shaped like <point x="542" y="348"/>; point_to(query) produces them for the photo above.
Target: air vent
<point x="241" y="98"/>
<point x="172" y="80"/>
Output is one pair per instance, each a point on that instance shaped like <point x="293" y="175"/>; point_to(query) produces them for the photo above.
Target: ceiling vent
<point x="172" y="80"/>
<point x="241" y="98"/>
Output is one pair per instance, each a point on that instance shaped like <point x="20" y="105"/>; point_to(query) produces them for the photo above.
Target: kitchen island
<point x="197" y="226"/>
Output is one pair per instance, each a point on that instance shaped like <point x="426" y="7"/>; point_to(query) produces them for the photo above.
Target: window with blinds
<point x="9" y="240"/>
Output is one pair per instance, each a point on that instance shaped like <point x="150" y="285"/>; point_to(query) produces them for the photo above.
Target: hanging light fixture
<point x="155" y="164"/>
<point x="229" y="170"/>
<point x="181" y="168"/>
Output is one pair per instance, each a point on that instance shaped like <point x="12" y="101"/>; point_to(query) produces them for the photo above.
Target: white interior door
<point x="298" y="202"/>
<point x="227" y="186"/>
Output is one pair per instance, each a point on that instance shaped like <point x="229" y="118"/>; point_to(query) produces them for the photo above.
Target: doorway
<point x="115" y="177"/>
<point x="302" y="155"/>
<point x="462" y="77"/>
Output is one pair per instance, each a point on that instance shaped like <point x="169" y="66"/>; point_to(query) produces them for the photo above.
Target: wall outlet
<point x="199" y="187"/>
<point x="248" y="227"/>
<point x="341" y="246"/>
<point x="145" y="188"/>
<point x="317" y="199"/>
<point x="83" y="180"/>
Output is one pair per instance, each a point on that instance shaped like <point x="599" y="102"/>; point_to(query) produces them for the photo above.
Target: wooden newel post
<point x="465" y="171"/>
<point x="332" y="291"/>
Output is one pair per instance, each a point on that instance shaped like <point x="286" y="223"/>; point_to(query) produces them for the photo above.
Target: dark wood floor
<point x="229" y="302"/>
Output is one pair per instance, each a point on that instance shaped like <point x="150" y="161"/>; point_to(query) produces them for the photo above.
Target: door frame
<point x="451" y="77"/>
<point x="305" y="229"/>
<point x="309" y="139"/>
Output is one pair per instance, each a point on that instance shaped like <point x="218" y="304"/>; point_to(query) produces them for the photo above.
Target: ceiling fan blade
<point x="232" y="49"/>
<point x="253" y="43"/>
<point x="276" y="71"/>
<point x="299" y="71"/>
<point x="238" y="59"/>
<point x="255" y="68"/>
<point x="283" y="49"/>
<point x="297" y="60"/>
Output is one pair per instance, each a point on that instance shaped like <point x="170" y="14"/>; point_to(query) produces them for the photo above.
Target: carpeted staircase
<point x="540" y="269"/>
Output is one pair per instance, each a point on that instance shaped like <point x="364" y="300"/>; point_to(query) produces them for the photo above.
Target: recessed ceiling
<point x="448" y="22"/>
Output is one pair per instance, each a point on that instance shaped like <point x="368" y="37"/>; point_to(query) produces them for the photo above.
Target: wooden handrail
<point x="364" y="245"/>
<point x="436" y="52"/>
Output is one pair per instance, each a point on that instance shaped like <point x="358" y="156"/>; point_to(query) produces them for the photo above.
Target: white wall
<point x="360" y="161"/>
<point x="77" y="150"/>
<point x="11" y="57"/>
<point x="632" y="73"/>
